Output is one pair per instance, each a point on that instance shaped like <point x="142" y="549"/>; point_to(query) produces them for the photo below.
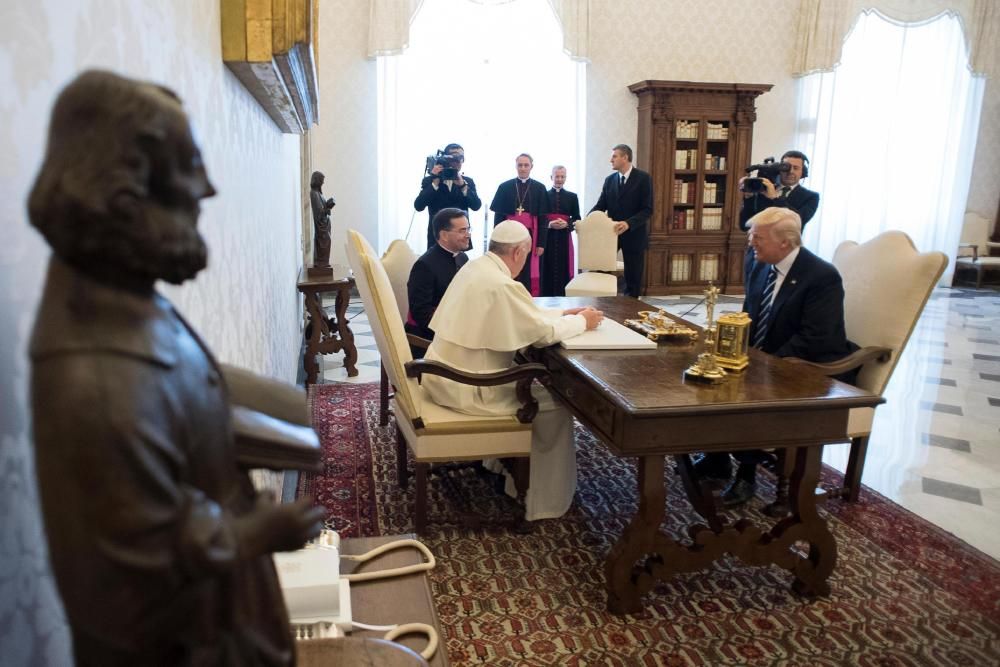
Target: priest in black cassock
<point x="559" y="263"/>
<point x="525" y="200"/>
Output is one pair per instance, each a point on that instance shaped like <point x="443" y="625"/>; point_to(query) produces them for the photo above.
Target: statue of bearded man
<point x="159" y="544"/>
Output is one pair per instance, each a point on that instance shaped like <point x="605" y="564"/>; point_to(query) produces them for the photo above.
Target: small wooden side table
<point x="328" y="336"/>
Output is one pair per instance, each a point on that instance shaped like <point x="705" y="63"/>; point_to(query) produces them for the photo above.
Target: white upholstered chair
<point x="598" y="253"/>
<point x="974" y="250"/>
<point x="432" y="432"/>
<point x="397" y="260"/>
<point x="887" y="282"/>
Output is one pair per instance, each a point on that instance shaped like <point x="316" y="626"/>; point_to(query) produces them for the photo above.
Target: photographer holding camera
<point x="445" y="186"/>
<point x="777" y="184"/>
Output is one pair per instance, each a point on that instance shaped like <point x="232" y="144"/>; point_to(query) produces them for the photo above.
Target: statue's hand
<point x="279" y="527"/>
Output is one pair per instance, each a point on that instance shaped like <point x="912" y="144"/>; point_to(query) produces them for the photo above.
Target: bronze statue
<point x="159" y="544"/>
<point x="321" y="221"/>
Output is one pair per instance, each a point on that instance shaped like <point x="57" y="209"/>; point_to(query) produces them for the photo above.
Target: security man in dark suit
<point x="433" y="271"/>
<point x="796" y="302"/>
<point x="789" y="193"/>
<point x="627" y="198"/>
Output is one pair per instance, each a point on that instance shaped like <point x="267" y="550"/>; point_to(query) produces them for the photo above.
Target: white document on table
<point x="609" y="336"/>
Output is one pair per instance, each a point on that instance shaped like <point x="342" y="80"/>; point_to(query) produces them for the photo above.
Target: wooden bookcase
<point x="695" y="140"/>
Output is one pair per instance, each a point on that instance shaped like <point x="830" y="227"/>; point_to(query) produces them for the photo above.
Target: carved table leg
<point x="623" y="591"/>
<point x="805" y="524"/>
<point x="315" y="310"/>
<point x="346" y="335"/>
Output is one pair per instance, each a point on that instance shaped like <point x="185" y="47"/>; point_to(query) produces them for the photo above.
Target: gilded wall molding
<point x="270" y="46"/>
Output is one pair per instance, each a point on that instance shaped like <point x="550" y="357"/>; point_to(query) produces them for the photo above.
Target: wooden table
<point x="405" y="599"/>
<point x="639" y="404"/>
<point x="327" y="336"/>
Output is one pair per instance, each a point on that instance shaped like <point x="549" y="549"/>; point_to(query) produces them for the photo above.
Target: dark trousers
<point x="635" y="261"/>
<point x="747" y="459"/>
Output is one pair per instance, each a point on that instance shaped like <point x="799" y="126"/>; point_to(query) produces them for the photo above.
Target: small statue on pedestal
<point x="321" y="209"/>
<point x="160" y="547"/>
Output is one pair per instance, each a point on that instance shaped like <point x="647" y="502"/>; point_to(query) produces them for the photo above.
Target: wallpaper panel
<point x="245" y="304"/>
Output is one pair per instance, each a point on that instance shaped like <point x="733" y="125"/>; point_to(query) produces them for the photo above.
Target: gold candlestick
<point x="706" y="369"/>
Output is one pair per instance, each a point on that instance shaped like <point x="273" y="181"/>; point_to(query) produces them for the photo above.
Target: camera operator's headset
<point x="802" y="156"/>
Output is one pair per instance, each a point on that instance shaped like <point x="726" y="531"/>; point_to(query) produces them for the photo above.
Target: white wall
<point x="245" y="304"/>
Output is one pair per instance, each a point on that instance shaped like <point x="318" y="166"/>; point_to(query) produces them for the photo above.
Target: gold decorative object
<point x="656" y="325"/>
<point x="269" y="46"/>
<point x="732" y="341"/>
<point x="706" y="369"/>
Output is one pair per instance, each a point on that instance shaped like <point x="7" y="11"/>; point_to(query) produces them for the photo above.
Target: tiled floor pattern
<point x="935" y="446"/>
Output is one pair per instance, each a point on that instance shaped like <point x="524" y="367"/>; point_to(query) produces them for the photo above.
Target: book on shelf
<point x="715" y="162"/>
<point x="685" y="159"/>
<point x="687" y="129"/>
<point x="710" y="193"/>
<point x="683" y="191"/>
<point x="711" y="219"/>
<point x="681" y="220"/>
<point x="716" y="131"/>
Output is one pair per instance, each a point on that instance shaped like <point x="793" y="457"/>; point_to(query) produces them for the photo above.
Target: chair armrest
<point x="417" y="341"/>
<point x="854" y="360"/>
<point x="993" y="244"/>
<point x="271" y="423"/>
<point x="522" y="374"/>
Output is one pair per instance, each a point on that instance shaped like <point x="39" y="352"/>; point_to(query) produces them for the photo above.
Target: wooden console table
<point x="328" y="336"/>
<point x="638" y="403"/>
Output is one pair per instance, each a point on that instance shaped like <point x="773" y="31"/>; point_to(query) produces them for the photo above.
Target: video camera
<point x="768" y="169"/>
<point x="451" y="163"/>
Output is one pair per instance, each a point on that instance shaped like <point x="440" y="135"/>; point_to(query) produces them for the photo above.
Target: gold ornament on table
<point x="732" y="341"/>
<point x="657" y="325"/>
<point x="706" y="369"/>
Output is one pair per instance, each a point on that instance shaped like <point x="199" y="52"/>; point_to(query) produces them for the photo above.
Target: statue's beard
<point x="157" y="244"/>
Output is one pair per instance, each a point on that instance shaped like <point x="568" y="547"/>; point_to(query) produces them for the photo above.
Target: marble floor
<point x="935" y="446"/>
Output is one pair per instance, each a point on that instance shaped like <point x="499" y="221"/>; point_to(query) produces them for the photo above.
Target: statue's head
<point x="118" y="193"/>
<point x="317" y="180"/>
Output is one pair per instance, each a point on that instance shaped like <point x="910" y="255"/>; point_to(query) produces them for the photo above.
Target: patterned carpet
<point x="904" y="592"/>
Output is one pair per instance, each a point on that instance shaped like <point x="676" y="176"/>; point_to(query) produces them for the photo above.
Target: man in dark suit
<point x="627" y="198"/>
<point x="433" y="271"/>
<point x="796" y="302"/>
<point x="449" y="188"/>
<point x="789" y="193"/>
<point x="564" y="211"/>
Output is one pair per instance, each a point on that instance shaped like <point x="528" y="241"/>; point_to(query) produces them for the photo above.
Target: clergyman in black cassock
<point x="558" y="262"/>
<point x="525" y="200"/>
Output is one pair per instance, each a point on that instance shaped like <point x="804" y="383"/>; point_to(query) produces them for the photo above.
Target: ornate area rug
<point x="903" y="591"/>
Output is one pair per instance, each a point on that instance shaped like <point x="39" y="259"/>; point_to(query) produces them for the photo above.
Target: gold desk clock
<point x="732" y="341"/>
<point x="657" y="326"/>
<point x="706" y="369"/>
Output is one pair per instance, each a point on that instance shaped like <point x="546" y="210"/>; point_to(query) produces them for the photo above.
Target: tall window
<point x="891" y="133"/>
<point x="491" y="76"/>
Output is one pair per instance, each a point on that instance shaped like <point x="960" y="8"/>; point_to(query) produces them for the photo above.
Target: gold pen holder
<point x="732" y="341"/>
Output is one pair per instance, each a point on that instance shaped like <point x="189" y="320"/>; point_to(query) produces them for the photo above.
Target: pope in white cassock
<point x="484" y="318"/>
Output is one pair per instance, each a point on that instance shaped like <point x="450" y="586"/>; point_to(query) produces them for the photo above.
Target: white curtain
<point x="492" y="77"/>
<point x="389" y="25"/>
<point x="891" y="134"/>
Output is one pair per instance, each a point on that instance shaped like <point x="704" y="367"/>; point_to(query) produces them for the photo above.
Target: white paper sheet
<point x="609" y="336"/>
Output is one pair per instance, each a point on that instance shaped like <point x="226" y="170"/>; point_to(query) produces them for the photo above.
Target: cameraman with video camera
<point x="445" y="186"/>
<point x="777" y="184"/>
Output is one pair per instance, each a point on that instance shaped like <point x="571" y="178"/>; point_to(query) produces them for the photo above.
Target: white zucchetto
<point x="510" y="231"/>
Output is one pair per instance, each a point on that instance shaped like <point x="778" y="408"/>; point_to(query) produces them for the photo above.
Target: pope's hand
<point x="593" y="317"/>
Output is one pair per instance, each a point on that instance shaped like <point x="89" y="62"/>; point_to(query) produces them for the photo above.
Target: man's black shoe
<point x="713" y="467"/>
<point x="738" y="493"/>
